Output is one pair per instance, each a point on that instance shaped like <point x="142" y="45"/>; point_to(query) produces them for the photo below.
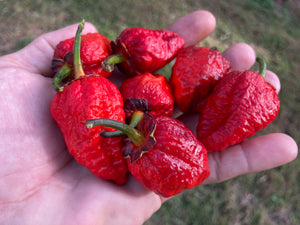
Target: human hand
<point x="40" y="183"/>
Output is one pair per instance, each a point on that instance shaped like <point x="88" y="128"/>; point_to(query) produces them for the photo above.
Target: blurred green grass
<point x="271" y="27"/>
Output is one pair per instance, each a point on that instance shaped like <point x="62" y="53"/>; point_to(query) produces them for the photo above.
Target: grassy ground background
<point x="271" y="27"/>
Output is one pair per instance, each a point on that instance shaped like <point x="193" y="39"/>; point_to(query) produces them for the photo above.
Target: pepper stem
<point x="109" y="63"/>
<point x="135" y="120"/>
<point x="63" y="73"/>
<point x="262" y="66"/>
<point x="77" y="61"/>
<point x="135" y="136"/>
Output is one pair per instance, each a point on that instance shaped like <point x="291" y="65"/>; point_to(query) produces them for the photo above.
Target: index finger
<point x="37" y="56"/>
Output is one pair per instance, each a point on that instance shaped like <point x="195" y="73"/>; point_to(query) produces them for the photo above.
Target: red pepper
<point x="194" y="76"/>
<point x="139" y="50"/>
<point x="86" y="97"/>
<point x="241" y="104"/>
<point x="163" y="154"/>
<point x="94" y="49"/>
<point x="154" y="88"/>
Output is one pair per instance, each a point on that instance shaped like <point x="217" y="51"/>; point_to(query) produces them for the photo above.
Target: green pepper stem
<point x="63" y="73"/>
<point x="135" y="136"/>
<point x="109" y="63"/>
<point x="262" y="67"/>
<point x="117" y="133"/>
<point x="77" y="60"/>
<point x="135" y="120"/>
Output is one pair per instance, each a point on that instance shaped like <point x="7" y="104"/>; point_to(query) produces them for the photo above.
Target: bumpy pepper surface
<point x="86" y="97"/>
<point x="154" y="88"/>
<point x="141" y="50"/>
<point x="194" y="75"/>
<point x="241" y="104"/>
<point x="177" y="161"/>
<point x="94" y="49"/>
<point x="163" y="154"/>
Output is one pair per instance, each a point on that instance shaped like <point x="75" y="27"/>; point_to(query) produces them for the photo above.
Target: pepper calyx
<point x="139" y="140"/>
<point x="134" y="109"/>
<point x="147" y="127"/>
<point x="132" y="105"/>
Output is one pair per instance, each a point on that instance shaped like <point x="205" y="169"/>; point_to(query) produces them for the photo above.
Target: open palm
<point x="40" y="183"/>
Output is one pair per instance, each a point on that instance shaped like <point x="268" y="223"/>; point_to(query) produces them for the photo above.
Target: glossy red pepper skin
<point x="91" y="96"/>
<point x="94" y="49"/>
<point x="241" y="104"/>
<point x="146" y="50"/>
<point x="154" y="88"/>
<point x="194" y="75"/>
<point x="178" y="161"/>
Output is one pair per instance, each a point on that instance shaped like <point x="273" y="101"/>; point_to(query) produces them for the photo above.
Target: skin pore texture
<point x="40" y="183"/>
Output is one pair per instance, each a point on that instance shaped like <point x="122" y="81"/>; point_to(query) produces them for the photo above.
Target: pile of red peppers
<point x="116" y="131"/>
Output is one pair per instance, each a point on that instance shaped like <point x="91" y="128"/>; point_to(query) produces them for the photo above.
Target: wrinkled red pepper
<point x="94" y="49"/>
<point x="194" y="76"/>
<point x="163" y="154"/>
<point x="241" y="104"/>
<point x="154" y="88"/>
<point x="139" y="50"/>
<point x="86" y="97"/>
